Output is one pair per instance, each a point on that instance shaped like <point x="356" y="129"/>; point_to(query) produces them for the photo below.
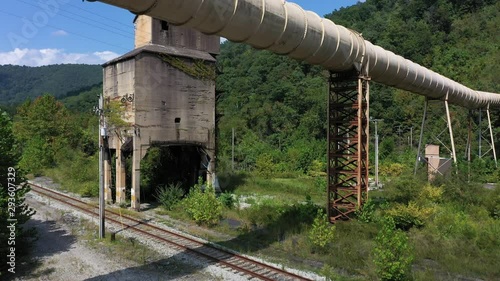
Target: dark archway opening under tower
<point x="167" y="165"/>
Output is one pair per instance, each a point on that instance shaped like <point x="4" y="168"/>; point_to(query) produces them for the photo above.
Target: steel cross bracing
<point x="348" y="110"/>
<point x="490" y="141"/>
<point x="485" y="135"/>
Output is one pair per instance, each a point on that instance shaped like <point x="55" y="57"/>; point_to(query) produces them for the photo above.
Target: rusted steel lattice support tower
<point x="348" y="127"/>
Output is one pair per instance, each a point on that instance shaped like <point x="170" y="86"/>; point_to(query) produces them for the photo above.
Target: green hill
<point x="84" y="99"/>
<point x="278" y="105"/>
<point x="18" y="83"/>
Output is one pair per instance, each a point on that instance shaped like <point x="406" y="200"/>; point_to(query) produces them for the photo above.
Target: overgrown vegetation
<point x="198" y="69"/>
<point x="58" y="143"/>
<point x="15" y="239"/>
<point x="322" y="233"/>
<point x="392" y="254"/>
<point x="411" y="229"/>
<point x="169" y="195"/>
<point x="202" y="205"/>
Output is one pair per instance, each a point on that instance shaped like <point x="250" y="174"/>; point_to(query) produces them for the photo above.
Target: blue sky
<point x="41" y="32"/>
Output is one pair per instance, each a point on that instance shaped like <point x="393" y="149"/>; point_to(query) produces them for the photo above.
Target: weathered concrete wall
<point x="143" y="32"/>
<point x="184" y="37"/>
<point x="154" y="31"/>
<point x="119" y="83"/>
<point x="175" y="108"/>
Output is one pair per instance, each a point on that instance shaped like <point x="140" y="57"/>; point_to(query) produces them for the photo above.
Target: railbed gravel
<point x="209" y="270"/>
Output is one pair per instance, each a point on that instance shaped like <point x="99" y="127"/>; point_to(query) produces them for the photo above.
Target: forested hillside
<point x="278" y="105"/>
<point x="84" y="99"/>
<point x="18" y="83"/>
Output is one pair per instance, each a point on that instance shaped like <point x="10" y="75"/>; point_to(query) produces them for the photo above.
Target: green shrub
<point x="492" y="203"/>
<point x="403" y="189"/>
<point x="317" y="169"/>
<point x="264" y="212"/>
<point x="88" y="189"/>
<point x="202" y="205"/>
<point x="406" y="216"/>
<point x="322" y="232"/>
<point x="466" y="194"/>
<point x="391" y="170"/>
<point x="450" y="223"/>
<point x="76" y="172"/>
<point x="227" y="200"/>
<point x="320" y="184"/>
<point x="392" y="254"/>
<point x="431" y="194"/>
<point x="264" y="165"/>
<point x="367" y="213"/>
<point x="280" y="219"/>
<point x="169" y="195"/>
<point x="37" y="154"/>
<point x="416" y="212"/>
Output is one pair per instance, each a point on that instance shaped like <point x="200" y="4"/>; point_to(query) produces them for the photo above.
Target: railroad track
<point x="248" y="267"/>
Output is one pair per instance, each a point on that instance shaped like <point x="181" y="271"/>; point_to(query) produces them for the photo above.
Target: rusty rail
<point x="225" y="258"/>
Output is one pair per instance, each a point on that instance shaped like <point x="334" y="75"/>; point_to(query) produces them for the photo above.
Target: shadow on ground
<point x="182" y="265"/>
<point x="50" y="240"/>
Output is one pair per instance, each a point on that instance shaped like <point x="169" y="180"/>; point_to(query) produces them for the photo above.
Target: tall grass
<point x="452" y="227"/>
<point x="76" y="172"/>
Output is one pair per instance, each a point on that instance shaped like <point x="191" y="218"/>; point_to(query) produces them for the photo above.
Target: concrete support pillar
<point x="135" y="199"/>
<point x="211" y="172"/>
<point x="107" y="177"/>
<point x="120" y="175"/>
<point x="138" y="154"/>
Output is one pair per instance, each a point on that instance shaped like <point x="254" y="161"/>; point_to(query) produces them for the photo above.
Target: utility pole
<point x="102" y="141"/>
<point x="411" y="137"/>
<point x="480" y="154"/>
<point x="399" y="131"/>
<point x="375" y="121"/>
<point x="232" y="150"/>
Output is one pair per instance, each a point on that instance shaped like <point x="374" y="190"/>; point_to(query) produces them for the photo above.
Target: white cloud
<point x="38" y="57"/>
<point x="59" y="33"/>
<point x="106" y="55"/>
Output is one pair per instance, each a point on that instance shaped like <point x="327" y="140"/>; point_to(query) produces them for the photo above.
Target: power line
<point x="91" y="24"/>
<point x="127" y="33"/>
<point x="74" y="33"/>
<point x="104" y="17"/>
<point x="107" y="24"/>
<point x="94" y="13"/>
<point x="117" y="28"/>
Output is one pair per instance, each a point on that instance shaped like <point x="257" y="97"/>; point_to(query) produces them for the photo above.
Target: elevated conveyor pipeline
<point x="285" y="28"/>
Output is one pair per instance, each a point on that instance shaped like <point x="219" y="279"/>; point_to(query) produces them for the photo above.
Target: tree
<point x="392" y="254"/>
<point x="13" y="210"/>
<point x="43" y="127"/>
